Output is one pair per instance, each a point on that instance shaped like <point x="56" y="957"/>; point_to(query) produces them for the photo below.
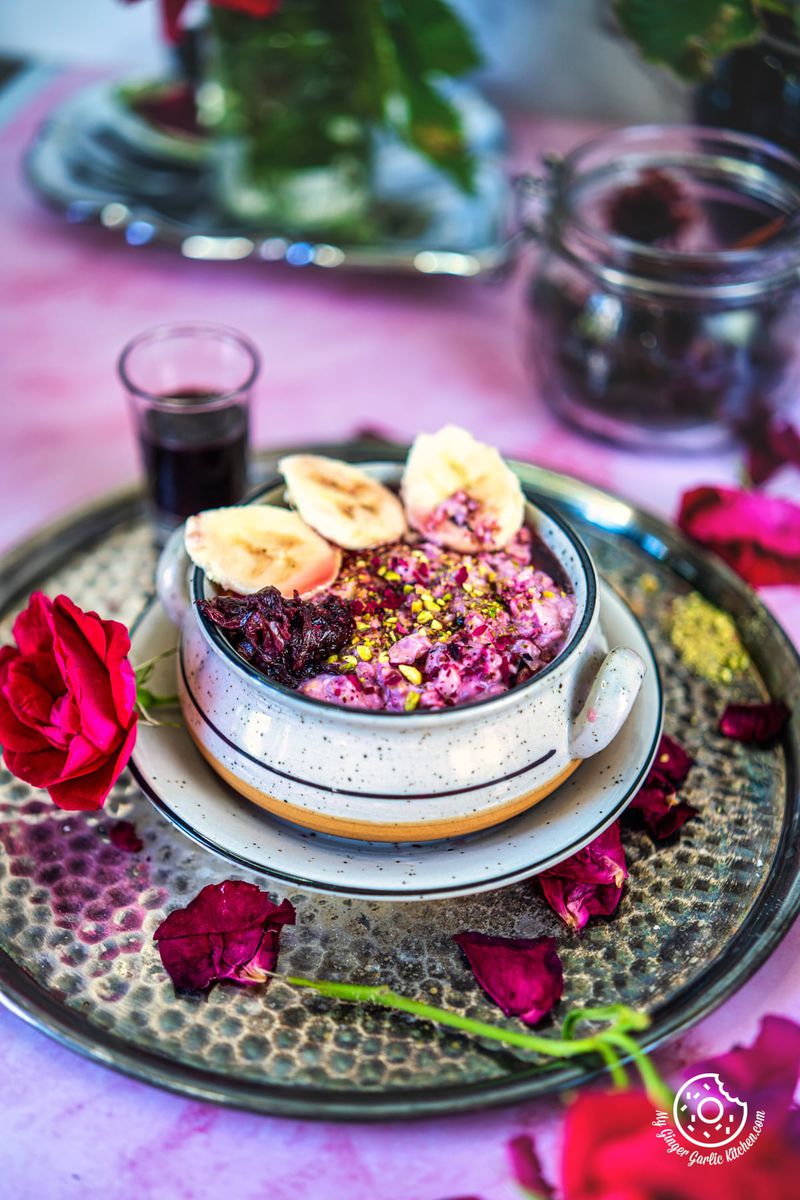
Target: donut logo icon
<point x="706" y="1114"/>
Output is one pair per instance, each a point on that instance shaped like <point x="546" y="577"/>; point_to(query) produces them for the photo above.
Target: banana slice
<point x="253" y="546"/>
<point x="344" y="504"/>
<point x="459" y="493"/>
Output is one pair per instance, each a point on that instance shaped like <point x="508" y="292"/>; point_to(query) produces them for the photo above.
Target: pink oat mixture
<point x="435" y="628"/>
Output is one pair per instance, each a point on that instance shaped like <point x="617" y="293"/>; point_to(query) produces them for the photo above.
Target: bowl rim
<point x="576" y="640"/>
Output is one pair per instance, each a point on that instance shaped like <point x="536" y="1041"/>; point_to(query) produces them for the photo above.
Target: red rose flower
<point x="67" y="702"/>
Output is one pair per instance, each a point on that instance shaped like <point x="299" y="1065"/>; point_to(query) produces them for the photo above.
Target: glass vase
<point x="280" y="99"/>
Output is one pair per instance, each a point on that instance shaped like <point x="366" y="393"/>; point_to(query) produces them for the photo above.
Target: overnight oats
<point x="363" y="599"/>
<point x="434" y="628"/>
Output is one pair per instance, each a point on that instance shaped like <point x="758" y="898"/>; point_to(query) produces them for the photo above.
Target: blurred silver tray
<point x="96" y="160"/>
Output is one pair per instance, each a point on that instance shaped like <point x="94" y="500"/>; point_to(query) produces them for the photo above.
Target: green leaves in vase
<point x="406" y="49"/>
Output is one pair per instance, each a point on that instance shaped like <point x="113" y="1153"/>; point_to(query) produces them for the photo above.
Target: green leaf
<point x="688" y="35"/>
<point x="435" y="129"/>
<point x="442" y="41"/>
<point x="431" y="123"/>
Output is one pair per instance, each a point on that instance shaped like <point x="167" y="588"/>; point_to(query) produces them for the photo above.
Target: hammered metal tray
<point x="700" y="915"/>
<point x="97" y="161"/>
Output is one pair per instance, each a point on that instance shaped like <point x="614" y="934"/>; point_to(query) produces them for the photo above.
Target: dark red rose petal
<point x="672" y="764"/>
<point x="662" y="812"/>
<point x="123" y="835"/>
<point x="770" y="447"/>
<point x="576" y="902"/>
<point x="602" y="861"/>
<point x="230" y="930"/>
<point x="757" y="535"/>
<point x="588" y="883"/>
<point x="526" y="1168"/>
<point x="522" y="975"/>
<point x="759" y="723"/>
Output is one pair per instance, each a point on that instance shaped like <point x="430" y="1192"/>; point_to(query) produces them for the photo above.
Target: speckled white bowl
<point x="400" y="777"/>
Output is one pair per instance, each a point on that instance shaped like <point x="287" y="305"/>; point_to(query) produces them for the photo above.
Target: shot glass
<point x="189" y="387"/>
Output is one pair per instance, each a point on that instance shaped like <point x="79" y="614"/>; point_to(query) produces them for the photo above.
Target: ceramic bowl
<point x="332" y="769"/>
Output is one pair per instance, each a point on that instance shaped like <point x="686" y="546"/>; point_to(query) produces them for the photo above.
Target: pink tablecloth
<point x="338" y="353"/>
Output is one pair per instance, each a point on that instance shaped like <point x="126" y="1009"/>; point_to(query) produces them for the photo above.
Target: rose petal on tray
<point x="230" y="930"/>
<point x="757" y="535"/>
<point x="758" y="723"/>
<point x="588" y="883"/>
<point x="522" y="975"/>
<point x="672" y="764"/>
<point x="662" y="812"/>
<point x="123" y="835"/>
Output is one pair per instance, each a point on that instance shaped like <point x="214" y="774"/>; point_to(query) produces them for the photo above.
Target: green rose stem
<point x="607" y="1042"/>
<point x="145" y="699"/>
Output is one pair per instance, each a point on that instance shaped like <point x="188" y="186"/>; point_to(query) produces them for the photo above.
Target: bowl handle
<point x="172" y="582"/>
<point x="608" y="704"/>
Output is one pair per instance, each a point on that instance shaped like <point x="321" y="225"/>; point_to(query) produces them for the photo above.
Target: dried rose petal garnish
<point x="522" y="975"/>
<point x="662" y="812"/>
<point x="288" y="640"/>
<point x="230" y="930"/>
<point x="123" y="835"/>
<point x="653" y="210"/>
<point x="757" y="535"/>
<point x="759" y="723"/>
<point x="590" y="882"/>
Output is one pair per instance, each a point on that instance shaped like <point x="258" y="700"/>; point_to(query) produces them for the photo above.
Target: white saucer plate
<point x="172" y="773"/>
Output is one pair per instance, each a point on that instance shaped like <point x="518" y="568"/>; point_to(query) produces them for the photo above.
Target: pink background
<point x="339" y="353"/>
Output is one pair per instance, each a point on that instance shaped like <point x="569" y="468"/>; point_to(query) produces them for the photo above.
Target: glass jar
<point x="680" y="333"/>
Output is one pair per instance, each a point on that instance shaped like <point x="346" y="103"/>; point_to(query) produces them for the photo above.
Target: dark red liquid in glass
<point x="194" y="459"/>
